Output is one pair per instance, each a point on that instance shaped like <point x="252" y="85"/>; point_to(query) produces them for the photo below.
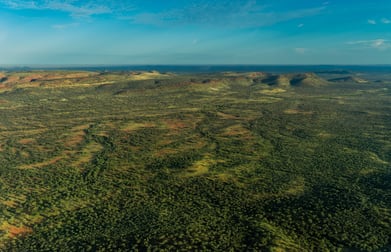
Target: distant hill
<point x="351" y="79"/>
<point x="295" y="80"/>
<point x="126" y="81"/>
<point x="307" y="79"/>
<point x="333" y="72"/>
<point x="277" y="80"/>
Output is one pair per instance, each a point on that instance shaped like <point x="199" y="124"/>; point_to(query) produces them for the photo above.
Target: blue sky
<point x="195" y="32"/>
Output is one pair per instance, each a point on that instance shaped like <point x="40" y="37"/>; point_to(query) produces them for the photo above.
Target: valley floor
<point x="122" y="161"/>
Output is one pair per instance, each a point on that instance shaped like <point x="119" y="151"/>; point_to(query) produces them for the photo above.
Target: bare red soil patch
<point x="42" y="164"/>
<point x="77" y="136"/>
<point x="237" y="131"/>
<point x="27" y="141"/>
<point x="132" y="126"/>
<point x="14" y="231"/>
<point x="227" y="116"/>
<point x="175" y="124"/>
<point x="32" y="77"/>
<point x="12" y="79"/>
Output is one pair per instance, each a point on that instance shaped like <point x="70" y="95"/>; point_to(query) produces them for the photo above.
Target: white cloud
<point x="380" y="44"/>
<point x="229" y="13"/>
<point x="237" y="13"/>
<point x="75" y="8"/>
<point x="78" y="11"/>
<point x="386" y="21"/>
<point x="64" y="26"/>
<point x="383" y="20"/>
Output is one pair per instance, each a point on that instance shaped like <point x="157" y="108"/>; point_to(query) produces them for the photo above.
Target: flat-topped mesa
<point x="66" y="78"/>
<point x="210" y="82"/>
<point x="257" y="74"/>
<point x="307" y="79"/>
<point x="147" y="75"/>
<point x="245" y="74"/>
<point x="351" y="79"/>
<point x="296" y="80"/>
<point x="277" y="80"/>
<point x="26" y="77"/>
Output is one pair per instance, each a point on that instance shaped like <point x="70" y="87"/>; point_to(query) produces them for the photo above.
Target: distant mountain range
<point x="13" y="79"/>
<point x="319" y="69"/>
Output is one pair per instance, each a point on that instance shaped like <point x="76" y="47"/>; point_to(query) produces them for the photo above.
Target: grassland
<point x="124" y="161"/>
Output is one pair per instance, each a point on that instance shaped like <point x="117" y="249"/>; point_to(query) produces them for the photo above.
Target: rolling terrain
<point x="125" y="161"/>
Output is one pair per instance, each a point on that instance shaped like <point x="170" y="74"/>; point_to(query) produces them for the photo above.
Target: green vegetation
<point x="223" y="162"/>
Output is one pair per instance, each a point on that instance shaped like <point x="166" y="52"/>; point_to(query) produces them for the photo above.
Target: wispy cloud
<point x="75" y="8"/>
<point x="385" y="21"/>
<point x="300" y="25"/>
<point x="380" y="44"/>
<point x="64" y="26"/>
<point x="229" y="13"/>
<point x="234" y="13"/>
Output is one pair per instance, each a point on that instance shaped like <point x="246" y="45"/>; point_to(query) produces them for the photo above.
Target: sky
<point x="176" y="32"/>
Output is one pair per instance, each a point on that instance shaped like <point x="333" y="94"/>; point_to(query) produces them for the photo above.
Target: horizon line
<point x="177" y="65"/>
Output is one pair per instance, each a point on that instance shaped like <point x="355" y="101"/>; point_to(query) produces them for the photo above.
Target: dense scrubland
<point x="122" y="161"/>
